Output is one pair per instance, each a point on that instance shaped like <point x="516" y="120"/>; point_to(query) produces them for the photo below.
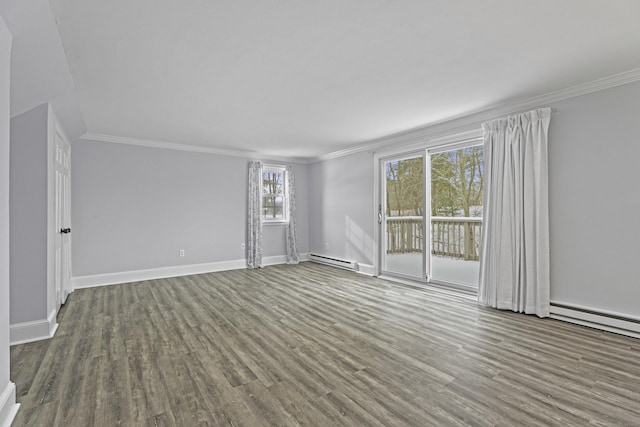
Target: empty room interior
<point x="379" y="213"/>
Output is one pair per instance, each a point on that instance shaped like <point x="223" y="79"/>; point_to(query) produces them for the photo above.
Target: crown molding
<point x="90" y="136"/>
<point x="438" y="129"/>
<point x="425" y="134"/>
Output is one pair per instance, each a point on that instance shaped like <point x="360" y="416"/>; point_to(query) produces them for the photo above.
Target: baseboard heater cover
<point x="336" y="262"/>
<point x="605" y="321"/>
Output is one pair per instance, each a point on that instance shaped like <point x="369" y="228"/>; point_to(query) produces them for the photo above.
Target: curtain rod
<point x="553" y="110"/>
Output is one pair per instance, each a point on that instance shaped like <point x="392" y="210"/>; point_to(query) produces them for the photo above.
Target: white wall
<point x="134" y="208"/>
<point x="341" y="207"/>
<point x="594" y="202"/>
<point x="7" y="389"/>
<point x="29" y="215"/>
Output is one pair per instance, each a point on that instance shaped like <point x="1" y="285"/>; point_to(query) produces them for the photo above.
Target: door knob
<point x="65" y="230"/>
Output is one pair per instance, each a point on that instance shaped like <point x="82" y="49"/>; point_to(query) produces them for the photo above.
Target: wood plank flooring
<point x="317" y="346"/>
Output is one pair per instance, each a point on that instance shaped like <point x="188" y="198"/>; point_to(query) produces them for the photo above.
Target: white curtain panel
<point x="514" y="263"/>
<point x="254" y="226"/>
<point x="290" y="232"/>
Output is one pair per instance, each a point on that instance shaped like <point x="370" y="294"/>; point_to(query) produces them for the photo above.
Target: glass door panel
<point x="403" y="217"/>
<point x="457" y="179"/>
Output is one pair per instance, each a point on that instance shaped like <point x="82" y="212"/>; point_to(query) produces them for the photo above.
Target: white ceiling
<point x="39" y="70"/>
<point x="305" y="78"/>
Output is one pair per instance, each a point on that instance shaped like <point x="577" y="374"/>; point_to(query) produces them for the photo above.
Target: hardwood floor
<point x="314" y="345"/>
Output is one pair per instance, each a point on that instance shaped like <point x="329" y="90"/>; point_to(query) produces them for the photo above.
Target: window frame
<point x="285" y="195"/>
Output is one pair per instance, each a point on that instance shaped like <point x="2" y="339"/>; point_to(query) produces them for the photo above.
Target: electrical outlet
<point x="326" y="246"/>
<point x="181" y="252"/>
<point x="242" y="246"/>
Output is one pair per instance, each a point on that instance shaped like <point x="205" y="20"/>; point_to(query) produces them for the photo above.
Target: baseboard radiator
<point x="606" y="321"/>
<point x="335" y="262"/>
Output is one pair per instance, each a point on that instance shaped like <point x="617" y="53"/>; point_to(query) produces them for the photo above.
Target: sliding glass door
<point x="430" y="214"/>
<point x="457" y="180"/>
<point x="401" y="215"/>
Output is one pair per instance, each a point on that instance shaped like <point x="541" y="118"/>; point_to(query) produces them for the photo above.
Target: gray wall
<point x="594" y="159"/>
<point x="341" y="207"/>
<point x="29" y="215"/>
<point x="5" y="56"/>
<point x="134" y="208"/>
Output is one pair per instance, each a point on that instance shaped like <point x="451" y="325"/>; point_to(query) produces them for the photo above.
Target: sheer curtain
<point x="514" y="266"/>
<point x="254" y="226"/>
<point x="290" y="232"/>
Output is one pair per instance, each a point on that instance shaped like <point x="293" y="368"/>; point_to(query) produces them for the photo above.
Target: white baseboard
<point x="304" y="257"/>
<point x="281" y="259"/>
<point x="586" y="316"/>
<point x="274" y="260"/>
<point x="80" y="282"/>
<point x="36" y="330"/>
<point x="91" y="281"/>
<point x="367" y="269"/>
<point x="8" y="406"/>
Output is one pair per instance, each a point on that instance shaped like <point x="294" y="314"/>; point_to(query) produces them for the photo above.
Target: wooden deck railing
<point x="455" y="237"/>
<point x="404" y="234"/>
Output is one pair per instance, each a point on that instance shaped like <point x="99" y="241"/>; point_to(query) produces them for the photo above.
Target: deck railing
<point x="455" y="237"/>
<point x="404" y="234"/>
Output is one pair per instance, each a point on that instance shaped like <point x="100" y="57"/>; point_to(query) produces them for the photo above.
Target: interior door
<point x="63" y="219"/>
<point x="401" y="216"/>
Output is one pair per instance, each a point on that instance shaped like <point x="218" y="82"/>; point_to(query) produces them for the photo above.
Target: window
<point x="275" y="195"/>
